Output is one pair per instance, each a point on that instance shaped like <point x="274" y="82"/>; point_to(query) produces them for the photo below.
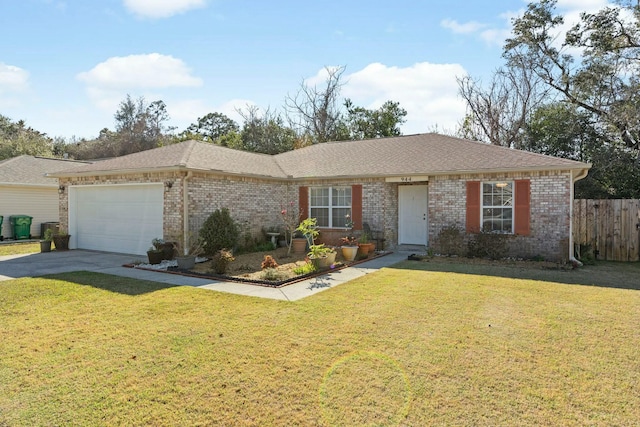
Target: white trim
<point x="330" y="207"/>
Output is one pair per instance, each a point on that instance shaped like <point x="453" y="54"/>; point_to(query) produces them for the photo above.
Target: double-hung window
<point x="497" y="207"/>
<point x="330" y="205"/>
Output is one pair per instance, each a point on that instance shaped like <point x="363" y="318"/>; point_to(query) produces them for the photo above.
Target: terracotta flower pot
<point x="365" y="248"/>
<point x="299" y="245"/>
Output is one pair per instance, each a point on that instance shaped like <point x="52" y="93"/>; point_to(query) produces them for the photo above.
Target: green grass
<point x="408" y="345"/>
<point x="19" y="248"/>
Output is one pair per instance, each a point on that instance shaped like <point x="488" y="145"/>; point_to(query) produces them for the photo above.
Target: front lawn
<point x="408" y="345"/>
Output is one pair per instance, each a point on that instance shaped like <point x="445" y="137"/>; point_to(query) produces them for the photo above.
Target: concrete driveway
<point x="40" y="264"/>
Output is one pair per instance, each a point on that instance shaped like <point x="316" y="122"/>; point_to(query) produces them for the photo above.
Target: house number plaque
<point x="407" y="179"/>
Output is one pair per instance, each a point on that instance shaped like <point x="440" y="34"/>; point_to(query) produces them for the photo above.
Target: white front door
<point x="412" y="214"/>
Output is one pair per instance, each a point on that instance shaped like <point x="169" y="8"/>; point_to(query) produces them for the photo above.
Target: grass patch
<point x="407" y="345"/>
<point x="19" y="248"/>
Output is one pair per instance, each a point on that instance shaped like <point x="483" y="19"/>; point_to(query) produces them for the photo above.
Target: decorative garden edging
<point x="265" y="283"/>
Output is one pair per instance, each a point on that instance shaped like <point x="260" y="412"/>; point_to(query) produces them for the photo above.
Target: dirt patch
<point x="248" y="266"/>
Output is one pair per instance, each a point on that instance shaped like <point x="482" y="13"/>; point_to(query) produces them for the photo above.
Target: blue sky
<point x="65" y="65"/>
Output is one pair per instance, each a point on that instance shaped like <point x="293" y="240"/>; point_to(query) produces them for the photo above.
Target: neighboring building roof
<point x="424" y="154"/>
<point x="31" y="171"/>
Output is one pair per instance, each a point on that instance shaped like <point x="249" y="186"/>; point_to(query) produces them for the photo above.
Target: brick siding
<point x="256" y="204"/>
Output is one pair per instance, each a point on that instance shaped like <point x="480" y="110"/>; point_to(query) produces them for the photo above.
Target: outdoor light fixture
<point x="168" y="184"/>
<point x="61" y="189"/>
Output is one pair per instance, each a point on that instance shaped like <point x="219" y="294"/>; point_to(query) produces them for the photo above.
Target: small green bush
<point x="219" y="231"/>
<point x="487" y="245"/>
<point x="305" y="269"/>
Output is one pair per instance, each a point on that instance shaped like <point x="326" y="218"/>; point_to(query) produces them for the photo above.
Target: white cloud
<point x="429" y="93"/>
<point x="109" y="81"/>
<point x="12" y="78"/>
<point x="162" y="8"/>
<point x="465" y="28"/>
<point x="140" y="71"/>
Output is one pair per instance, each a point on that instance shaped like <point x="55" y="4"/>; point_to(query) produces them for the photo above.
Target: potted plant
<point x="365" y="246"/>
<point x="168" y="248"/>
<point x="349" y="247"/>
<point x="349" y="243"/>
<point x="188" y="249"/>
<point x="155" y="255"/>
<point x="321" y="256"/>
<point x="45" y="244"/>
<point x="309" y="229"/>
<point x="61" y="240"/>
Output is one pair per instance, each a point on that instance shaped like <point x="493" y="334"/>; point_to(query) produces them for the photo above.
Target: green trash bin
<point x="21" y="225"/>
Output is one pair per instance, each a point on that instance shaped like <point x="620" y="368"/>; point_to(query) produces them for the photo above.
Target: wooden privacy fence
<point x="610" y="226"/>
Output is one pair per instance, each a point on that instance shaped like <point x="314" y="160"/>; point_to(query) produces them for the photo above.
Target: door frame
<point x="426" y="214"/>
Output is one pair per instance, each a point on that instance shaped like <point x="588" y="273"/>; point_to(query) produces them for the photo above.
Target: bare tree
<point x="498" y="113"/>
<point x="316" y="112"/>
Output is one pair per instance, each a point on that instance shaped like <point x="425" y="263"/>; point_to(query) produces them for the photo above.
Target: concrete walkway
<point x="39" y="264"/>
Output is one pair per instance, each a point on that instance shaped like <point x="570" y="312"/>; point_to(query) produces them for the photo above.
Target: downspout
<point x="185" y="212"/>
<point x="578" y="177"/>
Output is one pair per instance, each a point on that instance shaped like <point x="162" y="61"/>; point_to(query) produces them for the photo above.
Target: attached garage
<point x="116" y="218"/>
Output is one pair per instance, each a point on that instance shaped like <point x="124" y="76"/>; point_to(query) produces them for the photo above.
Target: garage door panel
<point x="124" y="218"/>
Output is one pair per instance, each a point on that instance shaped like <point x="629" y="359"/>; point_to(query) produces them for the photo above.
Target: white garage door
<point x="116" y="218"/>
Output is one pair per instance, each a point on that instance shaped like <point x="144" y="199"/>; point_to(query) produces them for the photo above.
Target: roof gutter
<point x="162" y="170"/>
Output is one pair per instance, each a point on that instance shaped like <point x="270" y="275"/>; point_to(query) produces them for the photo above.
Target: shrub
<point x="271" y="274"/>
<point x="487" y="245"/>
<point x="305" y="268"/>
<point x="219" y="231"/>
<point x="221" y="260"/>
<point x="269" y="262"/>
<point x="450" y="241"/>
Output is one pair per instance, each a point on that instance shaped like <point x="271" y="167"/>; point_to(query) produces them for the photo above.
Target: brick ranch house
<point x="409" y="188"/>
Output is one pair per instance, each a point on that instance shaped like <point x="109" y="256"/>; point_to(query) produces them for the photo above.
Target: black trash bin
<point x="21" y="225"/>
<point x="1" y="236"/>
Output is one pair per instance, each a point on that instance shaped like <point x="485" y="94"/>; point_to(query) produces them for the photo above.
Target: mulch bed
<point x="255" y="258"/>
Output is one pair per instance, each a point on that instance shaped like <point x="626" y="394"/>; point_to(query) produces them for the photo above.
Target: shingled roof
<point x="188" y="155"/>
<point x="30" y="170"/>
<point x="425" y="154"/>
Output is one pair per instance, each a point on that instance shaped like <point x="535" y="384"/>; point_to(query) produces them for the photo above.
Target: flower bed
<point x="247" y="268"/>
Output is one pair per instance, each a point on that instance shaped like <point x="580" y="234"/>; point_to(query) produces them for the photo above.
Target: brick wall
<point x="550" y="210"/>
<point x="256" y="203"/>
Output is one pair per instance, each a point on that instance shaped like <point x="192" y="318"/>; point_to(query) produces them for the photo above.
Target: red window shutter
<point x="303" y="202"/>
<point x="522" y="207"/>
<point x="473" y="206"/>
<point x="356" y="206"/>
